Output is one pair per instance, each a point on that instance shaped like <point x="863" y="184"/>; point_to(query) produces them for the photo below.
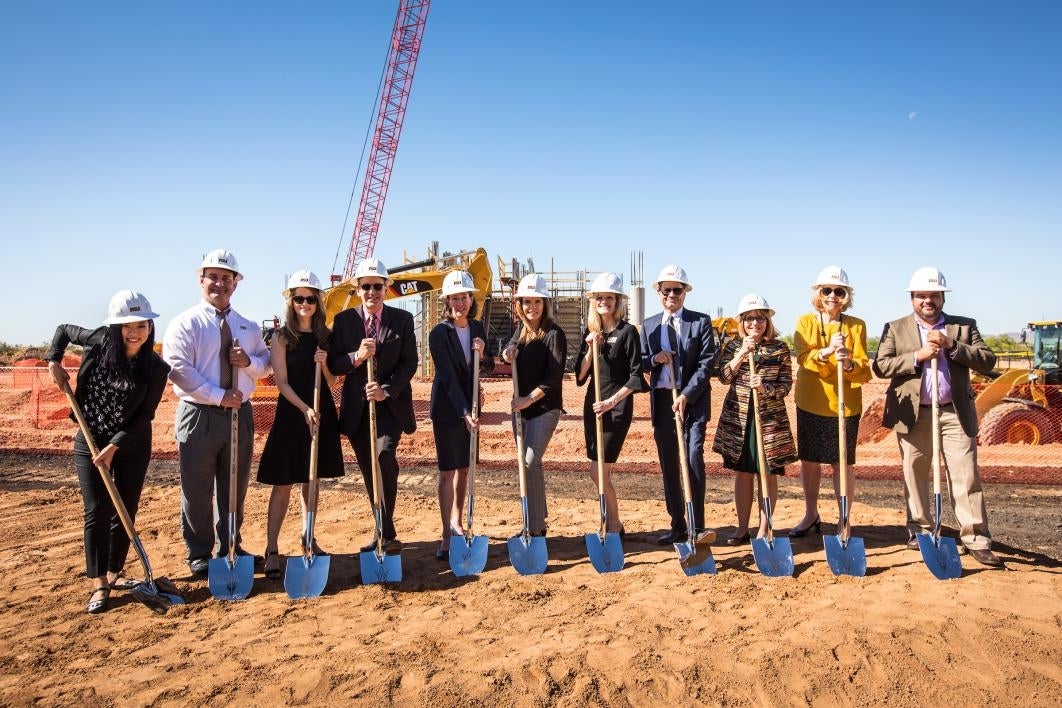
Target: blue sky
<point x="754" y="143"/>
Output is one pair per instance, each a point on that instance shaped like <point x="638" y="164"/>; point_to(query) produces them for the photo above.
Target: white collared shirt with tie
<point x="674" y="321"/>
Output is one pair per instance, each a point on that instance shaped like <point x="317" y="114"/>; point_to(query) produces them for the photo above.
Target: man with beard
<point x="907" y="347"/>
<point x="201" y="345"/>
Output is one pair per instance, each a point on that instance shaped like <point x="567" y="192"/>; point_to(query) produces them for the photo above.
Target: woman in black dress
<point x="621" y="375"/>
<point x="452" y="343"/>
<point x="119" y="386"/>
<point x="296" y="348"/>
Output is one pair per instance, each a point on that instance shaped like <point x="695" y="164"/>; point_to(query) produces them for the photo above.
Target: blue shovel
<point x="307" y="576"/>
<point x="845" y="554"/>
<point x="377" y="566"/>
<point x="941" y="554"/>
<point x="159" y="594"/>
<point x="695" y="553"/>
<point x="774" y="556"/>
<point x="468" y="552"/>
<point x="527" y="553"/>
<point x="232" y="577"/>
<point x="605" y="548"/>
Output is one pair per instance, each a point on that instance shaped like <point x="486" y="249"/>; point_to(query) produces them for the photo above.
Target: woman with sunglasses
<point x="824" y="338"/>
<point x="295" y="350"/>
<point x="538" y="350"/>
<point x="119" y="386"/>
<point x="735" y="437"/>
<point x="620" y="369"/>
<point x="452" y="344"/>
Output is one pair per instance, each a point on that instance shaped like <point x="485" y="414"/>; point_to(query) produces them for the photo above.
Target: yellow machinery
<point x="422" y="278"/>
<point x="1025" y="406"/>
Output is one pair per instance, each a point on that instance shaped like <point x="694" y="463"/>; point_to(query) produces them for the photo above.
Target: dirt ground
<point x="645" y="635"/>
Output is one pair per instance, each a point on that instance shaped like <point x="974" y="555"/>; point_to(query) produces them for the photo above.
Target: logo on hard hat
<point x="134" y="308"/>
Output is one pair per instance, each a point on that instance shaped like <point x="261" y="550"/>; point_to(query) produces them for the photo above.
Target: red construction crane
<point x="398" y="80"/>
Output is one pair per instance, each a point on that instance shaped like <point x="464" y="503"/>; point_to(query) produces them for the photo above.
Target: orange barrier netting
<point x="1021" y="443"/>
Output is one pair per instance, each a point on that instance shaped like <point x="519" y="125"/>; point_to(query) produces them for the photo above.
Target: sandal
<point x="95" y="607"/>
<point x="272" y="573"/>
<point x="122" y="583"/>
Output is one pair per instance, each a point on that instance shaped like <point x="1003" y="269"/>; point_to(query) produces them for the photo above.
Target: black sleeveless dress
<point x="286" y="457"/>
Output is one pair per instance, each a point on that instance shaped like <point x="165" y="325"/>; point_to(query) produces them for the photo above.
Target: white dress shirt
<point x="192" y="348"/>
<point x="664" y="381"/>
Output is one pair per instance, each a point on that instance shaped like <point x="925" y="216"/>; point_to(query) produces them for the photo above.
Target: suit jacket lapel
<point x="951" y="328"/>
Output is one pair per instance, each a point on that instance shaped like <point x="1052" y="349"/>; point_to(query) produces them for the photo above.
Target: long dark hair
<point x="289" y="333"/>
<point x="113" y="354"/>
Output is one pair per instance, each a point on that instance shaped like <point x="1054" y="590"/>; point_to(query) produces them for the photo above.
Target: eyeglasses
<point x="672" y="291"/>
<point x="304" y="299"/>
<point x="754" y="319"/>
<point x="839" y="292"/>
<point x="372" y="286"/>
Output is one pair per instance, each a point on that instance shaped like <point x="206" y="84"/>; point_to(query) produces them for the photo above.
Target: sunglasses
<point x="755" y="318"/>
<point x="839" y="292"/>
<point x="672" y="291"/>
<point x="304" y="299"/>
<point x="372" y="286"/>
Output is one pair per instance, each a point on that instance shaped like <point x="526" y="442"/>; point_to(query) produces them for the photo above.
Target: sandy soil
<point x="645" y="635"/>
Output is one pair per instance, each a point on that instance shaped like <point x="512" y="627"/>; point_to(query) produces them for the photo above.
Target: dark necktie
<point x="672" y="334"/>
<point x="225" y="380"/>
<point x="371" y="327"/>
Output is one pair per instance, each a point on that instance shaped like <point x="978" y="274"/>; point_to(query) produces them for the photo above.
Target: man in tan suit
<point x="907" y="345"/>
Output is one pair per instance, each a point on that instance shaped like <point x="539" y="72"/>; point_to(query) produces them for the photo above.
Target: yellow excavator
<point x="418" y="278"/>
<point x="1025" y="405"/>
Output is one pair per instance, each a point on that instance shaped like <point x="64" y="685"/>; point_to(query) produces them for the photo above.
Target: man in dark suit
<point x="685" y="337"/>
<point x="373" y="330"/>
<point x="907" y="346"/>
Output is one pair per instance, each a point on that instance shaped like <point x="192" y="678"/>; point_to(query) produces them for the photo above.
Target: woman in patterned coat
<point x="735" y="437"/>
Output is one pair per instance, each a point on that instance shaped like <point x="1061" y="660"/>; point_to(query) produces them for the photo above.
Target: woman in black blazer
<point x="452" y="343"/>
<point x="119" y="386"/>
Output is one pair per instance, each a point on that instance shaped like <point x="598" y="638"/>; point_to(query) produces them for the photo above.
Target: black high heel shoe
<point x="738" y="540"/>
<point x="801" y="533"/>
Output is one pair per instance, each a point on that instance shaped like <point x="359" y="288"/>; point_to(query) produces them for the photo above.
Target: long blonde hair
<point x="593" y="319"/>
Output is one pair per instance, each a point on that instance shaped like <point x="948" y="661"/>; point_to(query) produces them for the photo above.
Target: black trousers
<point x="388" y="434"/>
<point x="667" y="449"/>
<point x="106" y="543"/>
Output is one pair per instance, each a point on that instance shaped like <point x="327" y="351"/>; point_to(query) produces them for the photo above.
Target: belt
<point x="930" y="405"/>
<point x="209" y="407"/>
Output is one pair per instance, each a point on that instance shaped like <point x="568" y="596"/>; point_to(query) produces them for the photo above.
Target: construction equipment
<point x="419" y="278"/>
<point x="1025" y="407"/>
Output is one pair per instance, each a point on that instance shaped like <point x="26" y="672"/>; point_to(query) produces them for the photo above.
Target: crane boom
<point x="398" y="80"/>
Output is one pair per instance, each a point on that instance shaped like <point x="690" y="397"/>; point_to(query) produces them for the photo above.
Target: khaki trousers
<point x="964" y="483"/>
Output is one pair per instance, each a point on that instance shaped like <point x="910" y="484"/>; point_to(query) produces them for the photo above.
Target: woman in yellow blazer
<point x="825" y="337"/>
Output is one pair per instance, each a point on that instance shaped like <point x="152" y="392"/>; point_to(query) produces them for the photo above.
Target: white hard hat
<point x="928" y="279"/>
<point x="606" y="283"/>
<point x="832" y="275"/>
<point x="458" y="281"/>
<point x="532" y="285"/>
<point x="675" y="274"/>
<point x="221" y="258"/>
<point x="301" y="279"/>
<point x="751" y="302"/>
<point x="128" y="306"/>
<point x="372" y="267"/>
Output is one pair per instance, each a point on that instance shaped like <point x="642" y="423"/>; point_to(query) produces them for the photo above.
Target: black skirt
<point x="452" y="441"/>
<point x="817" y="437"/>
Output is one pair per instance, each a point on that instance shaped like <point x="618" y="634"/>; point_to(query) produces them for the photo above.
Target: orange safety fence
<point x="1020" y="442"/>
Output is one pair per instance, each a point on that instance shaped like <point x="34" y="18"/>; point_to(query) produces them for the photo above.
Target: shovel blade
<point x="468" y="558"/>
<point x="773" y="559"/>
<point x="606" y="556"/>
<point x="695" y="555"/>
<point x="155" y="596"/>
<point x="230" y="582"/>
<point x="306" y="577"/>
<point x="846" y="559"/>
<point x="528" y="555"/>
<point x="380" y="569"/>
<point x="941" y="556"/>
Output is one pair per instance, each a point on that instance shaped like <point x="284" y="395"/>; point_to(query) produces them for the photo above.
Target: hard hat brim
<point x="126" y="319"/>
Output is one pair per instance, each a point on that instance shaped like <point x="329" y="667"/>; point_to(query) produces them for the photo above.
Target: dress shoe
<point x="442" y="555"/>
<point x="199" y="567"/>
<point x="671" y="537"/>
<point x="912" y="543"/>
<point x="99" y="604"/>
<point x="797" y="532"/>
<point x="738" y="540"/>
<point x="392" y="546"/>
<point x="986" y="557"/>
<point x="259" y="561"/>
